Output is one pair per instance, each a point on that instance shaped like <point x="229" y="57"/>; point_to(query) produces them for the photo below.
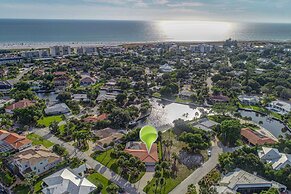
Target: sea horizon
<point x="37" y="33"/>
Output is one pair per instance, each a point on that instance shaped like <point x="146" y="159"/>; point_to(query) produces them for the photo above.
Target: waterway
<point x="164" y="113"/>
<point x="272" y="125"/>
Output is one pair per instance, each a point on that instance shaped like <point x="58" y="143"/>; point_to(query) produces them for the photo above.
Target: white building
<point x="249" y="100"/>
<point x="38" y="160"/>
<point x="280" y="107"/>
<point x="88" y="50"/>
<point x="67" y="181"/>
<point x="274" y="157"/>
<point x="80" y="97"/>
<point x="166" y="68"/>
<point x="201" y="48"/>
<point x="35" y="54"/>
<point x="241" y="181"/>
<point x="58" y="51"/>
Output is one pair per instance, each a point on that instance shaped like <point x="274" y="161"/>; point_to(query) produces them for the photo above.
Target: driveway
<point x="74" y="152"/>
<point x="202" y="171"/>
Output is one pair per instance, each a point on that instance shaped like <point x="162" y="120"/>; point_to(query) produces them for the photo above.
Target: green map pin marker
<point x="148" y="135"/>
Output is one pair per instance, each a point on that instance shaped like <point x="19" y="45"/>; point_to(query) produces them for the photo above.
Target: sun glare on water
<point x="195" y="30"/>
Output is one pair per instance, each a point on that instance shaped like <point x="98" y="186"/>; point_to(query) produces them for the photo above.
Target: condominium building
<point x="58" y="51"/>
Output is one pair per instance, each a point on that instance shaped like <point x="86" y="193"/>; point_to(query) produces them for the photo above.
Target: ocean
<point x="28" y="31"/>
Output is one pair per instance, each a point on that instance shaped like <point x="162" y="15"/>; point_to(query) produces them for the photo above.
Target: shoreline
<point x="46" y="45"/>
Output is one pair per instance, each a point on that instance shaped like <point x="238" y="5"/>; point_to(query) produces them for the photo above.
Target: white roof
<point x="66" y="180"/>
<point x="285" y="105"/>
<point x="282" y="162"/>
<point x="274" y="157"/>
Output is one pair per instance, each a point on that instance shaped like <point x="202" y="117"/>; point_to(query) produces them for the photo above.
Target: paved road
<point x="74" y="152"/>
<point x="19" y="76"/>
<point x="202" y="171"/>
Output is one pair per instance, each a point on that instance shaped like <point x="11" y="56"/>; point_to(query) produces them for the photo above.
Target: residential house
<point x="12" y="141"/>
<point x="104" y="95"/>
<point x="139" y="150"/>
<point x="218" y="98"/>
<point x="3" y="72"/>
<point x="61" y="81"/>
<point x="255" y="137"/>
<point x="280" y="107"/>
<point x="111" y="83"/>
<point x="67" y="181"/>
<point x="59" y="73"/>
<point x="205" y="124"/>
<point x="94" y="118"/>
<point x="186" y="94"/>
<point x="166" y="68"/>
<point x="57" y="109"/>
<point x="19" y="105"/>
<point x="274" y="157"/>
<point x="80" y="97"/>
<point x="5" y="86"/>
<point x="38" y="72"/>
<point x="249" y="100"/>
<point x="240" y="181"/>
<point x="107" y="136"/>
<point x="87" y="81"/>
<point x="35" y="159"/>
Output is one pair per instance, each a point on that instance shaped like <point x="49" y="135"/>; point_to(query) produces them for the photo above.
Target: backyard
<point x="110" y="162"/>
<point x="182" y="170"/>
<point x="46" y="121"/>
<point x="97" y="178"/>
<point x="38" y="140"/>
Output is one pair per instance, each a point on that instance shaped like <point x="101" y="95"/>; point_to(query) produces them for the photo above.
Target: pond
<point x="272" y="125"/>
<point x="163" y="114"/>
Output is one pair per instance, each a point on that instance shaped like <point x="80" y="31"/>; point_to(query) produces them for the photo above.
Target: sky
<point x="271" y="11"/>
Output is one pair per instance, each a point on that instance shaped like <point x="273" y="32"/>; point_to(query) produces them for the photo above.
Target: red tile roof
<point x="14" y="139"/>
<point x="93" y="119"/>
<point x="20" y="104"/>
<point x="143" y="154"/>
<point x="256" y="138"/>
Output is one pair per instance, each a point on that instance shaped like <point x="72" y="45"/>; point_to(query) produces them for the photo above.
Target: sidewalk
<point x="74" y="152"/>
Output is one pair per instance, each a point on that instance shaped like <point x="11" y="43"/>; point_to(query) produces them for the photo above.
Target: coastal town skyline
<point x="265" y="11"/>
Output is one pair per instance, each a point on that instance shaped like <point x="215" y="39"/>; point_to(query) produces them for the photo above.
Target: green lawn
<point x="157" y="94"/>
<point x="182" y="173"/>
<point x="46" y="121"/>
<point x="105" y="159"/>
<point x="38" y="140"/>
<point x="37" y="187"/>
<point x="97" y="178"/>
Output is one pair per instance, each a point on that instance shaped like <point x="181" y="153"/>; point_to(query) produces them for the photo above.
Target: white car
<point x="209" y="153"/>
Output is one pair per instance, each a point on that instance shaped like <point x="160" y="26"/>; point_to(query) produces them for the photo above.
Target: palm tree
<point x="157" y="184"/>
<point x="30" y="179"/>
<point x="54" y="127"/>
<point x="162" y="182"/>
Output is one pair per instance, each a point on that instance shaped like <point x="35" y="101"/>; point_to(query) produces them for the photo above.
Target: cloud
<point x="160" y="2"/>
<point x="135" y="3"/>
<point x="186" y="4"/>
